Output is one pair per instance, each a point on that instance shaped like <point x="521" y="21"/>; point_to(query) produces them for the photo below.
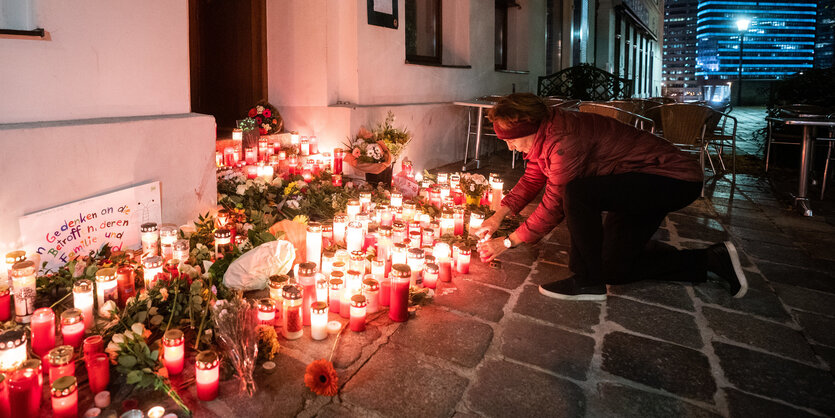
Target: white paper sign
<point x="61" y="233"/>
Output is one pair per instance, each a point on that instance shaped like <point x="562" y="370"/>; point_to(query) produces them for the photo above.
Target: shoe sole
<point x="740" y="274"/>
<point x="582" y="297"/>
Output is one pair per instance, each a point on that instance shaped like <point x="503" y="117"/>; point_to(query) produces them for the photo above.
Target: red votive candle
<point x="443" y="259"/>
<point x="43" y="331"/>
<point x="399" y="301"/>
<point x="307" y="278"/>
<point x="5" y="408"/>
<point x="72" y="327"/>
<point x="173" y="342"/>
<point x="337" y="180"/>
<point x="60" y="362"/>
<point x="98" y="371"/>
<point x="292" y="316"/>
<point x="266" y="311"/>
<point x="65" y="397"/>
<point x="5" y="303"/>
<point x="458" y="220"/>
<point x="462" y="264"/>
<point x="358" y="308"/>
<point x="335" y="293"/>
<point x="34" y="367"/>
<point x="430" y="275"/>
<point x="207" y="375"/>
<point x="21" y="386"/>
<point x="125" y="280"/>
<point x="338" y="155"/>
<point x="371" y="291"/>
<point x="92" y="345"/>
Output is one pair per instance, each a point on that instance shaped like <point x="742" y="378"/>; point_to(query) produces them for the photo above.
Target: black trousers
<point x="618" y="250"/>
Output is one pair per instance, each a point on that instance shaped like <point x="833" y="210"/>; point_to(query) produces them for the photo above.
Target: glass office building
<point x="679" y="59"/>
<point x="825" y="41"/>
<point x="779" y="41"/>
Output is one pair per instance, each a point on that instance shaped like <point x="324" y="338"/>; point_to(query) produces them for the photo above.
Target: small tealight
<point x="156" y="412"/>
<point x="92" y="413"/>
<point x="102" y="399"/>
<point x="334" y="327"/>
<point x="269" y="366"/>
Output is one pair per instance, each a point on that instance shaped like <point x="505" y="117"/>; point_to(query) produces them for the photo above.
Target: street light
<point x="742" y="26"/>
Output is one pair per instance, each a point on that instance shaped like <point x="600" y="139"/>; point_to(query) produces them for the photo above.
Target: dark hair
<point x="518" y="108"/>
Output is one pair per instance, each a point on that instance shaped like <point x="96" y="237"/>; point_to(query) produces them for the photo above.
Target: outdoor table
<point x="480" y="105"/>
<point x="809" y="124"/>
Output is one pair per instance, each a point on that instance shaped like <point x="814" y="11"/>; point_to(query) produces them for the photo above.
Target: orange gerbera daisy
<point x="321" y="378"/>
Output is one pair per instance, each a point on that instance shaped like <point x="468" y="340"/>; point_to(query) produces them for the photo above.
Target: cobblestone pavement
<point x="490" y="345"/>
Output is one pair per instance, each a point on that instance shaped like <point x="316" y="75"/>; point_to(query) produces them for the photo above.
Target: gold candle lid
<point x="370" y="284"/>
<point x="314" y="227"/>
<point x="319" y="307"/>
<point x="277" y="281"/>
<point x="71" y="316"/>
<point x="60" y="355"/>
<point x="105" y="275"/>
<point x="15" y="256"/>
<point x="11" y="339"/>
<point x="82" y="286"/>
<point x="307" y="268"/>
<point x="206" y="360"/>
<point x="148" y="227"/>
<point x="401" y="270"/>
<point x="358" y="301"/>
<point x="23" y="268"/>
<point x="32" y="364"/>
<point x="266" y="305"/>
<point x="64" y="386"/>
<point x="173" y="337"/>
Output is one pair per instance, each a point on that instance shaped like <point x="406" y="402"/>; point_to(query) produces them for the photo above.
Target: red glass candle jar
<point x="358" y="313"/>
<point x="72" y="327"/>
<point x="65" y="397"/>
<point x="5" y="303"/>
<point x="173" y="343"/>
<point x="34" y="367"/>
<point x="21" y="386"/>
<point x="399" y="299"/>
<point x="266" y="311"/>
<point x="126" y="282"/>
<point x="207" y="375"/>
<point x="92" y="345"/>
<point x="98" y="371"/>
<point x="60" y="362"/>
<point x="43" y="331"/>
<point x="5" y="407"/>
<point x="292" y="315"/>
<point x="338" y="155"/>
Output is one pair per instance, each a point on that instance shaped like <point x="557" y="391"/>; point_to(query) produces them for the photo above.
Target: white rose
<point x="138" y="328"/>
<point x="118" y="338"/>
<point x="129" y="334"/>
<point x="156" y="320"/>
<point x="241" y="189"/>
<point x="292" y="204"/>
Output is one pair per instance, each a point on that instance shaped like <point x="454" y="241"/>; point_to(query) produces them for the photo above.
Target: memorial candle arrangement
<point x="106" y="289"/>
<point x="207" y="375"/>
<point x="12" y="349"/>
<point x="61" y="362"/>
<point x="65" y="397"/>
<point x="173" y="351"/>
<point x="72" y="327"/>
<point x="151" y="267"/>
<point x="266" y="311"/>
<point x="319" y="320"/>
<point x="399" y="299"/>
<point x="292" y="315"/>
<point x="43" y="331"/>
<point x="24" y="284"/>
<point x="149" y="234"/>
<point x="83" y="300"/>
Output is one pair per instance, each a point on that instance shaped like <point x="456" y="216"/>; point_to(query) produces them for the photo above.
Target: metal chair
<point x="620" y="115"/>
<point x="721" y="133"/>
<point x="685" y="126"/>
<point x="785" y="135"/>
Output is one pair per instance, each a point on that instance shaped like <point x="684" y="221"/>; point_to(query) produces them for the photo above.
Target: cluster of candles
<point x="270" y="159"/>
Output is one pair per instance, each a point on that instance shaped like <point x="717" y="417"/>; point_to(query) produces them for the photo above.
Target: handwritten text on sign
<point x="64" y="232"/>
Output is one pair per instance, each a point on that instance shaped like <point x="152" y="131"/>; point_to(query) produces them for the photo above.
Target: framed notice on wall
<point x="383" y="13"/>
<point x="61" y="233"/>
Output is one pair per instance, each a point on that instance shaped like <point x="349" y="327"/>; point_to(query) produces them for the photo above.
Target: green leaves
<point x="127" y="361"/>
<point x="134" y="377"/>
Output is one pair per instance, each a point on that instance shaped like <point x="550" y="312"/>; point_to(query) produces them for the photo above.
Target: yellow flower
<point x="302" y="219"/>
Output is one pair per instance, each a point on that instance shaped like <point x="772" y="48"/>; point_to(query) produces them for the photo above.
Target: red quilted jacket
<point x="573" y="145"/>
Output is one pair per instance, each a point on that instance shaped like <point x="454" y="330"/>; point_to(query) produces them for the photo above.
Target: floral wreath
<point x="267" y="118"/>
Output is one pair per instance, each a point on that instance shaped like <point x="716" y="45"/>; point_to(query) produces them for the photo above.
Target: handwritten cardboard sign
<point x="61" y="233"/>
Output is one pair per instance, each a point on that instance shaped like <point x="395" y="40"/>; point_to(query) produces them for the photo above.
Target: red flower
<point x="262" y="131"/>
<point x="252" y="113"/>
<point x="258" y="120"/>
<point x="321" y="378"/>
<point x="267" y="113"/>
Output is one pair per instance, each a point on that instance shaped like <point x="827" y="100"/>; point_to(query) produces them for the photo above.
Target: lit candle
<point x="82" y="296"/>
<point x="476" y="218"/>
<point x="458" y="220"/>
<point x="276" y="285"/>
<point x="60" y="362"/>
<point x="292" y="164"/>
<point x="327" y="262"/>
<point x="321" y="288"/>
<point x="34" y="368"/>
<point x="435" y="197"/>
<point x="167" y="236"/>
<point x="207" y="375"/>
<point x="72" y="327"/>
<point x="65" y="398"/>
<point x="292" y="316"/>
<point x="354" y="236"/>
<point x="93" y="345"/>
<point x="319" y="320"/>
<point x="151" y="267"/>
<point x="398" y="232"/>
<point x="327" y="237"/>
<point x="5" y="303"/>
<point x="106" y="288"/>
<point x="43" y="331"/>
<point x="462" y="263"/>
<point x="357" y="261"/>
<point x="229" y="157"/>
<point x="336" y="284"/>
<point x="430" y="275"/>
<point x="436" y="226"/>
<point x="125" y="284"/>
<point x="237" y="134"/>
<point x="454" y="180"/>
<point x="399" y="300"/>
<point x="173" y="351"/>
<point x="12" y="349"/>
<point x="408" y="211"/>
<point x="427" y="237"/>
<point x="22" y="385"/>
<point x="371" y="290"/>
<point x="304" y="146"/>
<point x="414" y="259"/>
<point x="396" y="200"/>
<point x="181" y="250"/>
<point x="443" y="259"/>
<point x="447" y="223"/>
<point x="150" y="239"/>
<point x="365" y="200"/>
<point x="223" y="242"/>
<point x="396" y="214"/>
<point x="353" y="208"/>
<point x="338" y="155"/>
<point x="266" y="172"/>
<point x="448" y="203"/>
<point x="313" y="243"/>
<point x="250" y="155"/>
<point x="24" y="282"/>
<point x="156" y="412"/>
<point x="414" y="239"/>
<point x="307" y="279"/>
<point x="496" y="187"/>
<point x="266" y="311"/>
<point x="353" y="286"/>
<point x="442" y="178"/>
<point x="398" y="253"/>
<point x="336" y="179"/>
<point x="340" y="222"/>
<point x="339" y="265"/>
<point x="98" y="371"/>
<point x="384" y="243"/>
<point x="445" y="191"/>
<point x="358" y="313"/>
<point x="425" y="220"/>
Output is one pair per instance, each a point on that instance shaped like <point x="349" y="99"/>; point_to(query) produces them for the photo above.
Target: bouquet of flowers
<point x="474" y="186"/>
<point x="367" y="153"/>
<point x="395" y="139"/>
<point x="266" y="118"/>
<point x="233" y="321"/>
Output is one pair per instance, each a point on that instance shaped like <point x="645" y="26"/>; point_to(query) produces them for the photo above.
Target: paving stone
<point x="758" y="221"/>
<point x="806" y="300"/>
<point x="524" y="254"/>
<point x="550" y="348"/>
<point x="775" y="377"/>
<point x="660" y="365"/>
<point x="817" y="328"/>
<point x="560" y="235"/>
<point x="614" y="400"/>
<point x="555" y="253"/>
<point x="655" y="321"/>
<point x="773" y="236"/>
<point x="755" y="332"/>
<point x="351" y="344"/>
<point x="336" y="410"/>
<point x="743" y="405"/>
<point x="509" y="276"/>
<point x="792" y="255"/>
<point x="446" y="335"/>
<point x="736" y="202"/>
<point x="549" y="272"/>
<point x="758" y="302"/>
<point x="827" y="354"/>
<point x="704" y="229"/>
<point x="663" y="293"/>
<point x="473" y="298"/>
<point x="396" y="383"/>
<point x="798" y="276"/>
<point x="572" y="314"/>
<point x="533" y="393"/>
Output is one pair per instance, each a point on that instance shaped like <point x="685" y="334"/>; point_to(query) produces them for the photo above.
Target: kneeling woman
<point x="589" y="164"/>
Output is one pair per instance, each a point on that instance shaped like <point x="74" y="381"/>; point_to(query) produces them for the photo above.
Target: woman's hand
<point x="490" y="249"/>
<point x="489" y="226"/>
